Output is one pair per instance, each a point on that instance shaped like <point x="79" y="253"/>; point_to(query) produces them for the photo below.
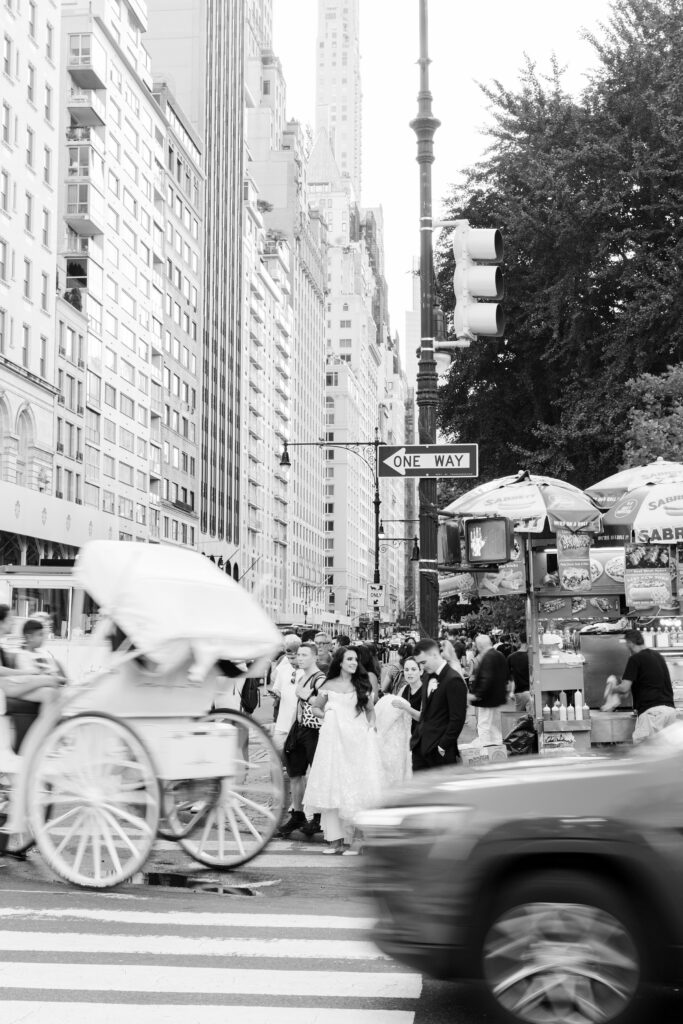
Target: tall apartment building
<point x="198" y="47"/>
<point x="34" y="523"/>
<point x="277" y="161"/>
<point x="179" y="184"/>
<point x="111" y="269"/>
<point x="338" y="85"/>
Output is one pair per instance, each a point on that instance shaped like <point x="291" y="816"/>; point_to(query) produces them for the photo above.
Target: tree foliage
<point x="655" y="425"/>
<point x="588" y="193"/>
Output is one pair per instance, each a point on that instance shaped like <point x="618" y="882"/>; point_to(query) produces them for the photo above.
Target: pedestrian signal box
<point x="488" y="541"/>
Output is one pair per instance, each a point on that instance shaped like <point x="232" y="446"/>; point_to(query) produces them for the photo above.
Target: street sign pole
<point x="424" y="126"/>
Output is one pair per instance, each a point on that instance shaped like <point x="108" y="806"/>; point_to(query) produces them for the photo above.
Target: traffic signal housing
<point x="478" y="283"/>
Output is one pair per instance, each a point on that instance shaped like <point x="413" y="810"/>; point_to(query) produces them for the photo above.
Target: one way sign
<point x="429" y="460"/>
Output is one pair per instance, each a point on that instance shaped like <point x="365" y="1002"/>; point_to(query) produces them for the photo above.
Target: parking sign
<point x="376" y="595"/>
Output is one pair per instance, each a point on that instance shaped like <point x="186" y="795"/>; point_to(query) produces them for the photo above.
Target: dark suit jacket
<point x="442" y="715"/>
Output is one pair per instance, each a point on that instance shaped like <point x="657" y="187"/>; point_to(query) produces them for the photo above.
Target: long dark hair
<point x="360" y="680"/>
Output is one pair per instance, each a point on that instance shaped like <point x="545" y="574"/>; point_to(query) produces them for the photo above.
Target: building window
<point x="44" y="293"/>
<point x="32" y="18"/>
<point x="110" y="396"/>
<point x="7" y="56"/>
<point x="49" y="41"/>
<point x="3" y="260"/>
<point x="3" y="329"/>
<point x="127" y="406"/>
<point x="25" y="345"/>
<point x="31" y="84"/>
<point x="6" y="118"/>
<point x="27" y="279"/>
<point x="29" y="147"/>
<point x="48" y="103"/>
<point x="28" y="216"/>
<point x="46" y="226"/>
<point x="4" y="191"/>
<point x="47" y="164"/>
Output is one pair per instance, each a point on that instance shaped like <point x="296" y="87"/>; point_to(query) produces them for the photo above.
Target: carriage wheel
<point x="93" y="801"/>
<point x="246" y="813"/>
<point x="184" y="803"/>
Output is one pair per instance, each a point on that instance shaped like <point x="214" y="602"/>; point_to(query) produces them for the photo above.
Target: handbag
<point x="292" y="737"/>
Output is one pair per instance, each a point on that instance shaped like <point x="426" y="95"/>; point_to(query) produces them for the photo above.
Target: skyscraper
<point x="198" y="46"/>
<point x="338" y="89"/>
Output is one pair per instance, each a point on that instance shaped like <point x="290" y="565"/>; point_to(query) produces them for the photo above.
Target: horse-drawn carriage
<point x="152" y="741"/>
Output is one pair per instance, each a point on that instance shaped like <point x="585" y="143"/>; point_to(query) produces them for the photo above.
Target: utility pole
<point x="424" y="126"/>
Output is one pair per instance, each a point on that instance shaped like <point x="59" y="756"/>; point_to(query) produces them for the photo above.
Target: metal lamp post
<point x="368" y="451"/>
<point x="424" y="126"/>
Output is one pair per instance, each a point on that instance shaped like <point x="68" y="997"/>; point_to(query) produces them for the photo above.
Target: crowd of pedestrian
<point x="350" y="724"/>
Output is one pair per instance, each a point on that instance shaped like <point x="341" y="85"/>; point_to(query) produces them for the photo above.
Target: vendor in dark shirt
<point x="518" y="674"/>
<point x="646" y="677"/>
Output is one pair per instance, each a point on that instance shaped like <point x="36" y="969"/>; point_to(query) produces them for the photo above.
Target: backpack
<point x="250" y="698"/>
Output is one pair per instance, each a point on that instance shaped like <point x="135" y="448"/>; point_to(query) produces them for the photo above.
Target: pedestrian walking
<point x="443" y="709"/>
<point x="647" y="678"/>
<point x="302" y="739"/>
<point x="488" y="691"/>
<point x="518" y="675"/>
<point x="346" y="775"/>
<point x="283" y="689"/>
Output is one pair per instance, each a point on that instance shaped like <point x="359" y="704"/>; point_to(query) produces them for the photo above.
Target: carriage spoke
<point x="251" y="803"/>
<point x="108" y="817"/>
<point x="124" y="815"/>
<point x="52" y="823"/>
<point x="83" y="843"/>
<point x="109" y="843"/>
<point x="234" y="827"/>
<point x="252" y="828"/>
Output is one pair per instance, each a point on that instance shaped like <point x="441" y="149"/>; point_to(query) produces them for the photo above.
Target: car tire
<point x="562" y="945"/>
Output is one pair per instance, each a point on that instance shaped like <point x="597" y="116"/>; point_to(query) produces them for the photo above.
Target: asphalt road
<point x="283" y="940"/>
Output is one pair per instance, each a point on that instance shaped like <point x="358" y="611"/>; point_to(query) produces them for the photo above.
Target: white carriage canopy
<point x="161" y="597"/>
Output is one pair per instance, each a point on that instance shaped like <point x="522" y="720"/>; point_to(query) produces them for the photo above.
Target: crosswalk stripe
<point x="184" y="945"/>
<point x="307" y="922"/>
<point x="26" y="1012"/>
<point x="155" y="978"/>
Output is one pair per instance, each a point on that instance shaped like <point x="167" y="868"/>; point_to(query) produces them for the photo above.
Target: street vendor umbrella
<point x="653" y="513"/>
<point x="534" y="503"/>
<point x="606" y="493"/>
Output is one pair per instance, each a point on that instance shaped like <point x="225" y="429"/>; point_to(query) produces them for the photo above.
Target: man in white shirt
<point x="283" y="687"/>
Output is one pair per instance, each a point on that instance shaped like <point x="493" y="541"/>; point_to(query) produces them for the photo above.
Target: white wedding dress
<point x="346" y="774"/>
<point x="393" y="727"/>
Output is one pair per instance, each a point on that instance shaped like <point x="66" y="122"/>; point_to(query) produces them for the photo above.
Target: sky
<point x="468" y="43"/>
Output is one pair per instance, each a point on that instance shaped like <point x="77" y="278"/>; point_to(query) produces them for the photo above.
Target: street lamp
<point x="424" y="126"/>
<point x="395" y="541"/>
<point x="368" y="452"/>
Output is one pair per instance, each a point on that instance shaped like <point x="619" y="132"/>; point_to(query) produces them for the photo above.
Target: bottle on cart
<point x="649" y="637"/>
<point x="556" y="711"/>
<point x="663" y="639"/>
<point x="578" y="705"/>
<point x="571" y="713"/>
<point x="563" y="712"/>
<point x="547" y="712"/>
<point x="586" y="713"/>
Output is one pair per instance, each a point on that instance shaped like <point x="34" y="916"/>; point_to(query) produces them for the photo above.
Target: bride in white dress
<point x="346" y="774"/>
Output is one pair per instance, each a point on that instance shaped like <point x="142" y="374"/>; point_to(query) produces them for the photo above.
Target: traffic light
<point x="476" y="277"/>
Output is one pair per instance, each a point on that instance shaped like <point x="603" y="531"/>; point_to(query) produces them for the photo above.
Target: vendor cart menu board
<point x="648" y="578"/>
<point x="573" y="560"/>
<point x="606" y="569"/>
<point x="586" y="607"/>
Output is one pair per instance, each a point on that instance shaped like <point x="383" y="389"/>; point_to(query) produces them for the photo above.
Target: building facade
<point x="179" y="184"/>
<point x="198" y="46"/>
<point x="339" y="100"/>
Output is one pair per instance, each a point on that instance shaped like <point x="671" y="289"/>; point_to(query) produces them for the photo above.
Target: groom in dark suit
<point x="443" y="711"/>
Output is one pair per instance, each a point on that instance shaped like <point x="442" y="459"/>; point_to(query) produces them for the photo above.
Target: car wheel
<point x="561" y="946"/>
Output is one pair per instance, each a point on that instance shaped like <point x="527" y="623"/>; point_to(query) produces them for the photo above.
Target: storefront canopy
<point x="534" y="503"/>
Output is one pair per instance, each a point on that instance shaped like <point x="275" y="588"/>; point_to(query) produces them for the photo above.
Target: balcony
<point x="283" y="345"/>
<point x="284" y="323"/>
<point x="255" y="474"/>
<point x="154" y="498"/>
<point x="282" y="389"/>
<point x="86" y="108"/>
<point x="257" y="381"/>
<point x="87" y="137"/>
<point x="156" y="406"/>
<point x="86" y="61"/>
<point x="85" y="210"/>
<point x="159" y="183"/>
<point x="155" y="468"/>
